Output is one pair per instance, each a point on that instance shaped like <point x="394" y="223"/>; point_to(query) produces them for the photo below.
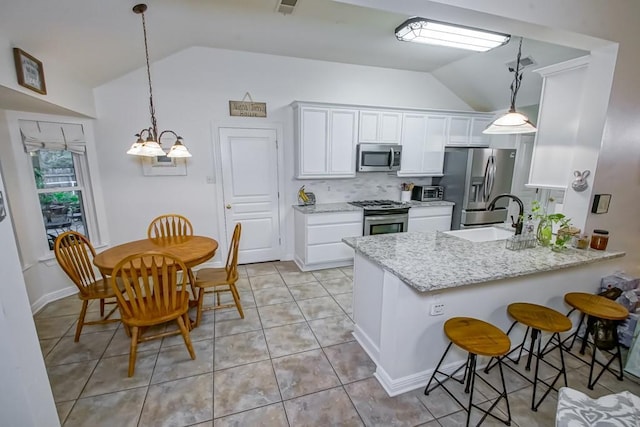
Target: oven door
<point x="383" y="224"/>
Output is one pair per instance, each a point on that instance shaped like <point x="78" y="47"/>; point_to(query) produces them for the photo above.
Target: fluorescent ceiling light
<point x="423" y="30"/>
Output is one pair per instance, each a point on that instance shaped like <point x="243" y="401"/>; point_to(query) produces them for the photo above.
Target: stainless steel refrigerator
<point x="472" y="178"/>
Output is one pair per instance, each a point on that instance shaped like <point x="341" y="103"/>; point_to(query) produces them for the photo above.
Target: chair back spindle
<point x="150" y="285"/>
<point x="169" y="225"/>
<point x="75" y="255"/>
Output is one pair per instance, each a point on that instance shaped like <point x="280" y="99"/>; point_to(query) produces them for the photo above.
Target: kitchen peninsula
<point x="403" y="280"/>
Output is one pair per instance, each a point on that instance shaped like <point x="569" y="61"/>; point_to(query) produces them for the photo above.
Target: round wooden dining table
<point x="192" y="250"/>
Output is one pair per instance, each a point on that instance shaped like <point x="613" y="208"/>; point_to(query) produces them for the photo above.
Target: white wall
<point x="62" y="89"/>
<point x="191" y="92"/>
<point x="26" y="399"/>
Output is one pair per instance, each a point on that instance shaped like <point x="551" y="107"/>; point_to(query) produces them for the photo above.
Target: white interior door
<point x="250" y="186"/>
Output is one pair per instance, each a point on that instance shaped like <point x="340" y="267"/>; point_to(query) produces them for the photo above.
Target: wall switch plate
<point x="437" y="309"/>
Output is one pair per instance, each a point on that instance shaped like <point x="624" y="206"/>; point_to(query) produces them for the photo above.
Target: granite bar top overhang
<point x="434" y="261"/>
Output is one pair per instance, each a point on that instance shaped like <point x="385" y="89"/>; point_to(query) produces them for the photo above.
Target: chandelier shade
<point x="151" y="146"/>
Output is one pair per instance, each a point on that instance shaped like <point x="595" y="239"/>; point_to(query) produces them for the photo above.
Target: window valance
<point x="38" y="135"/>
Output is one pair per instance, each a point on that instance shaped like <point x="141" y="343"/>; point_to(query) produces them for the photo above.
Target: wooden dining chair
<point x="218" y="280"/>
<point x="75" y="256"/>
<point x="169" y="225"/>
<point x="172" y="225"/>
<point x="151" y="292"/>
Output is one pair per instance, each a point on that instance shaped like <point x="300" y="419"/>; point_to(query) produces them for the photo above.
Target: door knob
<point x="228" y="206"/>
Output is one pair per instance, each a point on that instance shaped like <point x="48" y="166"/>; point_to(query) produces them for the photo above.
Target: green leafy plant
<point x="546" y="222"/>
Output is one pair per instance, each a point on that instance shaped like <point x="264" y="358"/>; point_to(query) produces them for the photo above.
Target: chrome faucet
<point x="518" y="224"/>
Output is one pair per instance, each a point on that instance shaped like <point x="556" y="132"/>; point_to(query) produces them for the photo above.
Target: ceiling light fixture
<point x="151" y="146"/>
<point x="513" y="122"/>
<point x="421" y="30"/>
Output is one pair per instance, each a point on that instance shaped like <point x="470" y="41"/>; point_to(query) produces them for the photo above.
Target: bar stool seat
<point x="477" y="338"/>
<point x="597" y="307"/>
<point x="537" y="319"/>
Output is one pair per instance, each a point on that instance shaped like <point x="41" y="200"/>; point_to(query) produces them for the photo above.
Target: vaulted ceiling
<point x="101" y="40"/>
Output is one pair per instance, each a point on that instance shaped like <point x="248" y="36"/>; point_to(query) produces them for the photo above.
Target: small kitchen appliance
<point x="427" y="193"/>
<point x="378" y="157"/>
<point x="383" y="216"/>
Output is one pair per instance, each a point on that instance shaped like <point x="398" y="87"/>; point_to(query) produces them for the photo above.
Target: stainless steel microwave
<point x="378" y="157"/>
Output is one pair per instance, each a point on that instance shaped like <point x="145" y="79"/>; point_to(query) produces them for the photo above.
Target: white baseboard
<point x="52" y="296"/>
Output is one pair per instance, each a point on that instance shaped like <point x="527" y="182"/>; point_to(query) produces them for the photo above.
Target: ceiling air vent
<point x="524" y="62"/>
<point x="286" y="6"/>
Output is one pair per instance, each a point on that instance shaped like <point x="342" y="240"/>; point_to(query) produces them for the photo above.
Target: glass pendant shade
<point x="178" y="150"/>
<point x="511" y="123"/>
<point x="136" y="147"/>
<point x="151" y="149"/>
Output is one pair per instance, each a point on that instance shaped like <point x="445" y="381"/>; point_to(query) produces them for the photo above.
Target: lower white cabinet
<point x="430" y="218"/>
<point x="318" y="238"/>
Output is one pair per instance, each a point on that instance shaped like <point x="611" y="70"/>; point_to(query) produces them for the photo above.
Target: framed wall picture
<point x="30" y="71"/>
<point x="163" y="165"/>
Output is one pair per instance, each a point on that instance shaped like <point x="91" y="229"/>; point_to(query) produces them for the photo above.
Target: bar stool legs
<point x="597" y="309"/>
<point x="477" y="337"/>
<point x="537" y="318"/>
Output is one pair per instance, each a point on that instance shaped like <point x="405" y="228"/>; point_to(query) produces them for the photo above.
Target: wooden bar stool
<point x="597" y="308"/>
<point x="477" y="338"/>
<point x="537" y="319"/>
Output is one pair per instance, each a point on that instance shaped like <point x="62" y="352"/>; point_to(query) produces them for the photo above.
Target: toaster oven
<point x="427" y="193"/>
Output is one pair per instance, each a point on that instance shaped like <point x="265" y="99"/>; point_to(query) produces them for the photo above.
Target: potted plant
<point x="546" y="222"/>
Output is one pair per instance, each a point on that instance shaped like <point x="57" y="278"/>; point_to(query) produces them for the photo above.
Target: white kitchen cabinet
<point x="380" y="127"/>
<point x="466" y="130"/>
<point x="430" y="218"/>
<point x="325" y="141"/>
<point x="423" y="139"/>
<point x="558" y="120"/>
<point x="318" y="238"/>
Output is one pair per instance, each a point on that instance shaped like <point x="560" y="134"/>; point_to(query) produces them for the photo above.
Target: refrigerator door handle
<point x="489" y="178"/>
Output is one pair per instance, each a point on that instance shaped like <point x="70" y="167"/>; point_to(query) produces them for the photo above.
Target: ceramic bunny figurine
<point x="580" y="183"/>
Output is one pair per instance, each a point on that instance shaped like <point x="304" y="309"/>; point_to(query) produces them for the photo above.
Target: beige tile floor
<point x="291" y="361"/>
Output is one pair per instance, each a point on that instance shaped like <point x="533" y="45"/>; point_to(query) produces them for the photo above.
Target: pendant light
<point x="148" y="140"/>
<point x="512" y="122"/>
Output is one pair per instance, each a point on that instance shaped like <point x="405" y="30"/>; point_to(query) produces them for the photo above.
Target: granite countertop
<point x="434" y="260"/>
<point x="346" y="207"/>
<point x="327" y="207"/>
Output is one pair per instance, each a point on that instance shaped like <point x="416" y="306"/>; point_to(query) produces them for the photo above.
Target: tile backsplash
<point x="365" y="186"/>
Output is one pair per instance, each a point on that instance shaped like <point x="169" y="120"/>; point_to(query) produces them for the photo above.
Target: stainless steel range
<point x="383" y="216"/>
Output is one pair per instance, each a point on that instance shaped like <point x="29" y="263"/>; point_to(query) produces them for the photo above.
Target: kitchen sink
<point x="484" y="234"/>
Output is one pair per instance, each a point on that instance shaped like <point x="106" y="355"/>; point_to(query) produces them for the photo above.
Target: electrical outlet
<point x="437" y="309"/>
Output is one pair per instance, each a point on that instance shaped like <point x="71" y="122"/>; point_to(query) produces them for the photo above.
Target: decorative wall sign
<point x="163" y="165"/>
<point x="247" y="108"/>
<point x="30" y="71"/>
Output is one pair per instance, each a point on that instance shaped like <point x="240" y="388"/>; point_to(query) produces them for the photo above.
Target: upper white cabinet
<point x="325" y="141"/>
<point x="558" y="120"/>
<point x="467" y="130"/>
<point x="423" y="139"/>
<point x="380" y="127"/>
